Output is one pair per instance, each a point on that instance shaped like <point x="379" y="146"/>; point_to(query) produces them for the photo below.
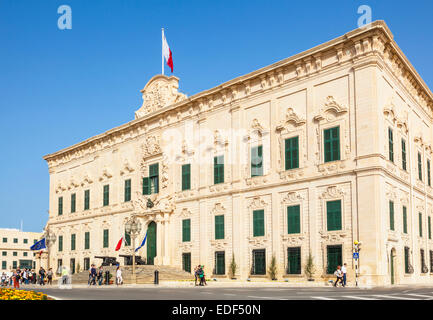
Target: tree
<point x="273" y="268"/>
<point x="309" y="266"/>
<point x="233" y="267"/>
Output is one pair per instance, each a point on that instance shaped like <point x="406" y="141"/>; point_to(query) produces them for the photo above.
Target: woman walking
<point x="50" y="276"/>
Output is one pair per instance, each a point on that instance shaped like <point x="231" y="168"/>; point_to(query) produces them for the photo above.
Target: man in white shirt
<point x="344" y="271"/>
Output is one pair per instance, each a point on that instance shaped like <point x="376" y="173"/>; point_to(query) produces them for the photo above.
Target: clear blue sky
<point x="59" y="87"/>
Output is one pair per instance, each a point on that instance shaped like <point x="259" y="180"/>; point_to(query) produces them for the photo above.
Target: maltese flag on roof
<point x="166" y="53"/>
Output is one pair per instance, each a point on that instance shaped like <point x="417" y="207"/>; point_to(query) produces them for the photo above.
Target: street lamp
<point x="133" y="227"/>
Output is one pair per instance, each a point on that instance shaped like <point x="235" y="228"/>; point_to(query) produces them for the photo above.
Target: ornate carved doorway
<point x="151" y="242"/>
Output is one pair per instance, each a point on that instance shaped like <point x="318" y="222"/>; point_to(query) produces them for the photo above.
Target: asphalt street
<point x="252" y="293"/>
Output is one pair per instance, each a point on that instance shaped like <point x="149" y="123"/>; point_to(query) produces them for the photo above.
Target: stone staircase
<point x="144" y="274"/>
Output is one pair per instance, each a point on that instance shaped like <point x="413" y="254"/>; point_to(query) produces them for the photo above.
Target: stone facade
<point x="15" y="249"/>
<point x="360" y="82"/>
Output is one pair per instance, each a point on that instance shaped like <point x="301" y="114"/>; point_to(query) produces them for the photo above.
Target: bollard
<point x="156" y="280"/>
<point x="107" y="277"/>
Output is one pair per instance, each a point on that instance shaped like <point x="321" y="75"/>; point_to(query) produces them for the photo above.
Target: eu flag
<point x="39" y="245"/>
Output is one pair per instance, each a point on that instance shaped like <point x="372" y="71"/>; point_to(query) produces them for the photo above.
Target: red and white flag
<point x="166" y="53"/>
<point x="119" y="244"/>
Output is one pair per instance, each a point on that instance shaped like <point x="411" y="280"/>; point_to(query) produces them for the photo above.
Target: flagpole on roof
<point x="162" y="54"/>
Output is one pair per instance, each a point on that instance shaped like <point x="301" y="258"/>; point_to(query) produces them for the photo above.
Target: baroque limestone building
<point x="306" y="155"/>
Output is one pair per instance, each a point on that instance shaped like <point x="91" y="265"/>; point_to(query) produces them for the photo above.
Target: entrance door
<point x="72" y="265"/>
<point x="220" y="264"/>
<point x="392" y="267"/>
<point x="259" y="262"/>
<point x="151" y="242"/>
<point x="186" y="262"/>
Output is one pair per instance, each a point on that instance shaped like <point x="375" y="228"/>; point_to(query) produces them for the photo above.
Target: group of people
<point x="341" y="274"/>
<point x="26" y="276"/>
<point x="97" y="276"/>
<point x="199" y="275"/>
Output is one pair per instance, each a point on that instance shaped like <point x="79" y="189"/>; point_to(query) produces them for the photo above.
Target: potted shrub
<point x="273" y="268"/>
<point x="233" y="268"/>
<point x="309" y="267"/>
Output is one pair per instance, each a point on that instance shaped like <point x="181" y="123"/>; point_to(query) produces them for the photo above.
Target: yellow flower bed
<point x="13" y="294"/>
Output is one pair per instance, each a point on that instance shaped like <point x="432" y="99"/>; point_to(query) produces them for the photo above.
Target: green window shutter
<point x="73" y="203"/>
<point x="391" y="145"/>
<point x="334" y="257"/>
<point x="404" y="219"/>
<point x="127" y="190"/>
<point x="291" y="153"/>
<point x="293" y="219"/>
<point x="428" y="173"/>
<point x="258" y="223"/>
<point x="257" y="161"/>
<point x="219" y="227"/>
<point x="333" y="214"/>
<point x="186" y="230"/>
<point x="154" y="178"/>
<point x="105" y="238"/>
<point x="391" y="215"/>
<point x="294" y="260"/>
<point x="127" y="238"/>
<point x="72" y="241"/>
<point x="86" y="199"/>
<point x="419" y="167"/>
<point x="420" y="223"/>
<point x="106" y="201"/>
<point x="186" y="176"/>
<point x="429" y="227"/>
<point x="146" y="186"/>
<point x="332" y="144"/>
<point x="218" y="169"/>
<point x="60" y="243"/>
<point x="403" y="154"/>
<point x="87" y="240"/>
<point x="60" y="211"/>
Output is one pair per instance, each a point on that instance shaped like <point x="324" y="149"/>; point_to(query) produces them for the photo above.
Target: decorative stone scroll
<point x="159" y="92"/>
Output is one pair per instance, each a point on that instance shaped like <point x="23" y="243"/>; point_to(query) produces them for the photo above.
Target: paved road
<point x="253" y="293"/>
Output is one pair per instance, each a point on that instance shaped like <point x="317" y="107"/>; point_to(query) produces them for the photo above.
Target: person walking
<point x="50" y="276"/>
<point x="42" y="276"/>
<point x="339" y="276"/>
<point x="100" y="275"/>
<point x="196" y="274"/>
<point x="119" y="279"/>
<point x="64" y="275"/>
<point x="93" y="275"/>
<point x="344" y="271"/>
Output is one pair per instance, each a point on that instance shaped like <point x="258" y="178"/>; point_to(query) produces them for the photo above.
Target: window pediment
<point x="331" y="109"/>
<point x="291" y="119"/>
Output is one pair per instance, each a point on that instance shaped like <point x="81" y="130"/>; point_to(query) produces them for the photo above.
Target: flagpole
<point x="162" y="55"/>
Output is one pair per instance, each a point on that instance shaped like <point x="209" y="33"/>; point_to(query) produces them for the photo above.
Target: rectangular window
<point x="186" y="262"/>
<point x="403" y="154"/>
<point x="15" y="240"/>
<point x="293" y="219"/>
<point x="334" y="258"/>
<point x="72" y="241"/>
<point x="220" y="263"/>
<point x="60" y="210"/>
<point x="86" y="240"/>
<point x="390" y="145"/>
<point x="15" y="254"/>
<point x="257" y="161"/>
<point x="333" y="215"/>
<point x="332" y="144"/>
<point x="404" y="219"/>
<point x="14" y="264"/>
<point x="73" y="206"/>
<point x="4" y="253"/>
<point x="105" y="245"/>
<point x="106" y="201"/>
<point x="420" y="223"/>
<point x="294" y="260"/>
<point x="186" y="177"/>
<point x="219" y="227"/>
<point x="406" y="259"/>
<point x="259" y="262"/>
<point x="218" y="169"/>
<point x="258" y="223"/>
<point x="146" y="185"/>
<point x="428" y="173"/>
<point x="419" y="167"/>
<point x="25" y="254"/>
<point x="186" y="230"/>
<point x="127" y="191"/>
<point x="3" y="265"/>
<point x="86" y="199"/>
<point x="291" y="153"/>
<point x="391" y="215"/>
<point x="60" y="243"/>
<point x="5" y="240"/>
<point x="154" y="178"/>
<point x="429" y="227"/>
<point x="26" y="241"/>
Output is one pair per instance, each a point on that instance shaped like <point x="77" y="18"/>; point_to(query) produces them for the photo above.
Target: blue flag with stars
<point x="39" y="245"/>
